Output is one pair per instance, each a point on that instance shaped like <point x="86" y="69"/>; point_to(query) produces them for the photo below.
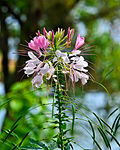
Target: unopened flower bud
<point x="68" y="35"/>
<point x="44" y="31"/>
<point x="38" y="33"/>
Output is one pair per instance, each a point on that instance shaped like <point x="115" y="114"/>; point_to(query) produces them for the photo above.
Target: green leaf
<point x="115" y="121"/>
<point x="116" y="126"/>
<point x="113" y="137"/>
<point x="23" y="138"/>
<point x="29" y="147"/>
<point x="14" y="147"/>
<point x="10" y="133"/>
<point x="53" y="146"/>
<point x="53" y="105"/>
<point x="63" y="126"/>
<point x="6" y="102"/>
<point x="16" y="122"/>
<point x="106" y="124"/>
<point x="112" y="112"/>
<point x="97" y="144"/>
<point x="107" y="74"/>
<point x="102" y="87"/>
<point x="73" y="120"/>
<point x="71" y="146"/>
<point x="92" y="129"/>
<point x="32" y="141"/>
<point x="98" y="119"/>
<point x="67" y="147"/>
<point x="105" y="138"/>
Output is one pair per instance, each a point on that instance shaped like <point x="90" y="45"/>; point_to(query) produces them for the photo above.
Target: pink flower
<point x="39" y="43"/>
<point x="79" y="42"/>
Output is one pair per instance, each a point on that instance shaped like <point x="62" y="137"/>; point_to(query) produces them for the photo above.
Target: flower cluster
<point x="46" y="53"/>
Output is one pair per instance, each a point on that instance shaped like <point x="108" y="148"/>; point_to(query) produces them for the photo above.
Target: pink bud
<point x="38" y="34"/>
<point x="68" y="35"/>
<point x="44" y="31"/>
<point x="79" y="42"/>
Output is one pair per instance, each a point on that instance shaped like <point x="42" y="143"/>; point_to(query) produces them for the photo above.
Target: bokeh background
<point x="97" y="20"/>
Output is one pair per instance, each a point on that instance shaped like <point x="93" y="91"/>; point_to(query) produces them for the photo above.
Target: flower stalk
<point x="48" y="61"/>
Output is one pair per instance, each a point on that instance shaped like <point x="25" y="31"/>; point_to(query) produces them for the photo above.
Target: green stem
<point x="59" y="106"/>
<point x="60" y="123"/>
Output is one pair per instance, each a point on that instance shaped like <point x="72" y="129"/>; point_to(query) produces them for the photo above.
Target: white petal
<point x="66" y="59"/>
<point x="31" y="55"/>
<point x="44" y="69"/>
<point x="37" y="81"/>
<point x="58" y="53"/>
<point x="29" y="71"/>
<point x="54" y="59"/>
<point x="77" y="52"/>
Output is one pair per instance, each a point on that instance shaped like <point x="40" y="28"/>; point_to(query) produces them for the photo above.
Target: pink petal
<point x="79" y="42"/>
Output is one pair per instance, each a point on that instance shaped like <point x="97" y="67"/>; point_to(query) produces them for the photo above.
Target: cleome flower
<point x="43" y="63"/>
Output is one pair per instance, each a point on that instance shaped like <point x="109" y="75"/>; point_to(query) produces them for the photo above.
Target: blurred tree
<point x="30" y="15"/>
<point x="33" y="15"/>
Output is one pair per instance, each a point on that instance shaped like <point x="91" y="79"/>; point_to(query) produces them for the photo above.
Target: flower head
<point x="43" y="63"/>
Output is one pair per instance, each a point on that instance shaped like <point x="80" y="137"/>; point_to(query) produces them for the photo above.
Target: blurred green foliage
<point x="28" y="107"/>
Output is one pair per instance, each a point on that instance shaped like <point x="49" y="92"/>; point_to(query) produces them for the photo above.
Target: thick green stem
<point x="59" y="105"/>
<point x="60" y="123"/>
